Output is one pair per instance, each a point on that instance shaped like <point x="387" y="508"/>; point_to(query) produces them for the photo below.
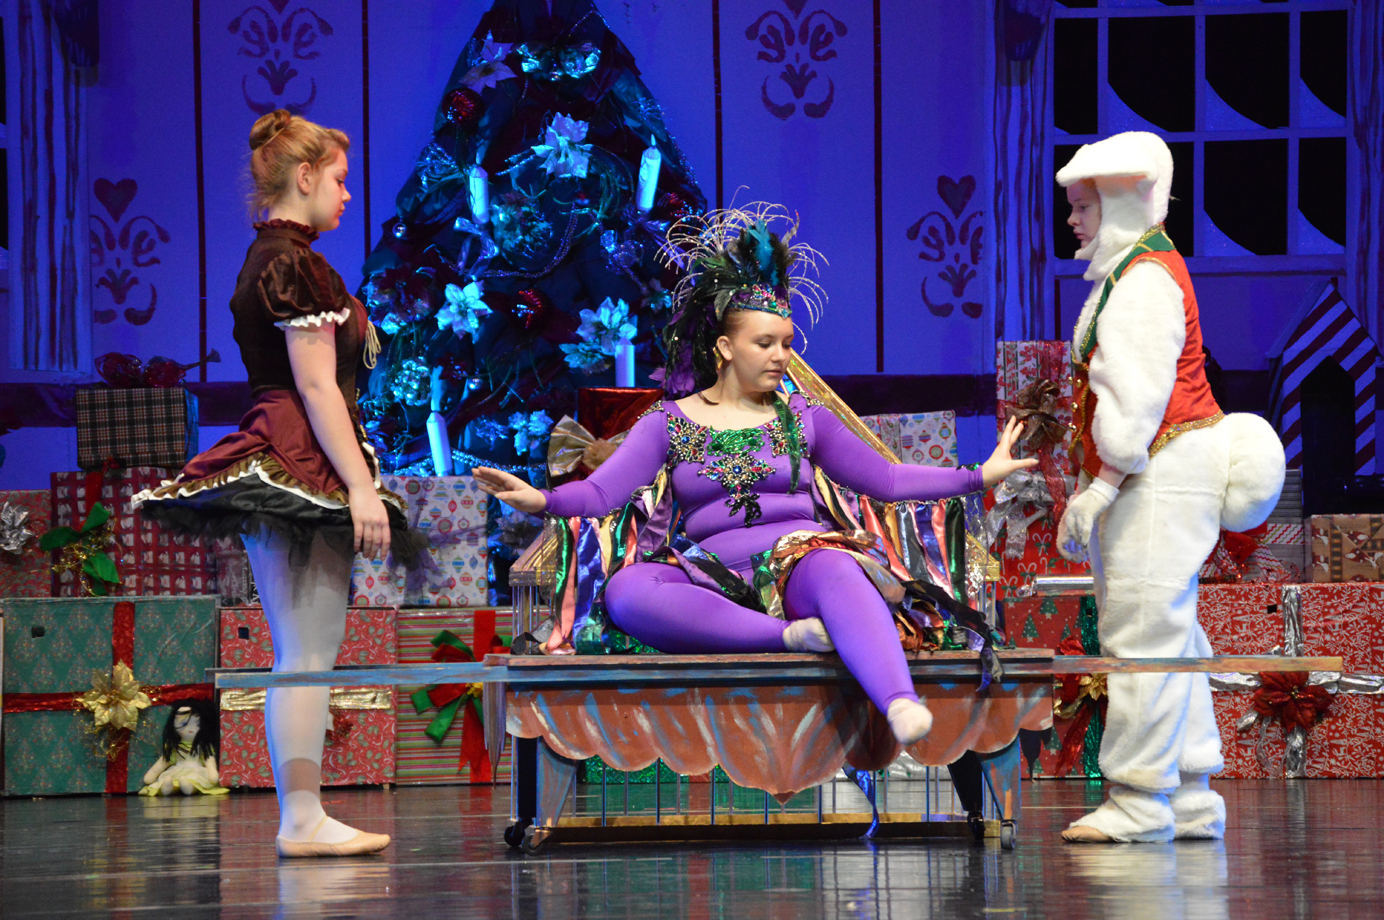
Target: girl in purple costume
<point x="727" y="448"/>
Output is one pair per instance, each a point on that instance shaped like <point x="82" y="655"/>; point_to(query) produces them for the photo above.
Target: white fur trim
<point x="316" y="320"/>
<point x="1133" y="173"/>
<point x="1139" y="338"/>
<point x="1256" y="471"/>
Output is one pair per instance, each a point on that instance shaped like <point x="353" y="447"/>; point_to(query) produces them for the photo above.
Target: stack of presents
<point x="168" y="607"/>
<point x="88" y="586"/>
<point x="1295" y="585"/>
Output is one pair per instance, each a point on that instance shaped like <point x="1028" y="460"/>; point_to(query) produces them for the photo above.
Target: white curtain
<point x="50" y="291"/>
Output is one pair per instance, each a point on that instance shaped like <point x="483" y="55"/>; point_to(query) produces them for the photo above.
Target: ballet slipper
<point x="909" y="721"/>
<point x="807" y="635"/>
<point x="358" y="845"/>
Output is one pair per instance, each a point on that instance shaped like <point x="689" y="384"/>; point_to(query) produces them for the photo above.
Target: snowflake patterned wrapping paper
<point x="418" y="759"/>
<point x="1347" y="547"/>
<point x="360" y="733"/>
<point x="451" y="510"/>
<point x="55" y="646"/>
<point x="28" y="573"/>
<point x="150" y="559"/>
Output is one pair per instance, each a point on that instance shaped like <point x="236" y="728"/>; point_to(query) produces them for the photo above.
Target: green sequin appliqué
<point x="737" y="469"/>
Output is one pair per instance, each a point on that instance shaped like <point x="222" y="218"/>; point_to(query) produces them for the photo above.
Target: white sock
<point x="909" y="721"/>
<point x="808" y="635"/>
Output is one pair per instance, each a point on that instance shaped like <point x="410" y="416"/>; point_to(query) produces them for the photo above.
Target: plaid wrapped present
<point x="154" y="426"/>
<point x="27" y="572"/>
<point x="150" y="560"/>
<point x="419" y="760"/>
<point x="451" y="510"/>
<point x="1347" y="547"/>
<point x="360" y="735"/>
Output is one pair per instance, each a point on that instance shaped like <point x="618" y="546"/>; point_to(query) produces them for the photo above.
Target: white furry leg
<point x="1198" y="812"/>
<point x="807" y="635"/>
<point x="1131" y="816"/>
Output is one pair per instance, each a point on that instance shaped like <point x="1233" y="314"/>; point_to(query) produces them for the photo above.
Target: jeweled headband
<point x="763" y="298"/>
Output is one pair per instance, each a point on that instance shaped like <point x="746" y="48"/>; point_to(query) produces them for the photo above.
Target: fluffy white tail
<point x="1256" y="471"/>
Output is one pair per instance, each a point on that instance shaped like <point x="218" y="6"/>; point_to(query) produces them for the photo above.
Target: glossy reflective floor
<point x="1307" y="849"/>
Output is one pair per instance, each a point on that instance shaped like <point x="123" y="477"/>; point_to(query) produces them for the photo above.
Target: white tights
<point x="305" y="602"/>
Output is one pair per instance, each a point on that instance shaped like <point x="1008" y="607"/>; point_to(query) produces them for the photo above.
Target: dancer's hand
<point x="370" y="522"/>
<point x="1079" y="520"/>
<point x="1002" y="462"/>
<point x="510" y="489"/>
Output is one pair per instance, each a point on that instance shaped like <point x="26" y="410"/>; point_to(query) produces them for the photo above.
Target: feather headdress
<point x="733" y="259"/>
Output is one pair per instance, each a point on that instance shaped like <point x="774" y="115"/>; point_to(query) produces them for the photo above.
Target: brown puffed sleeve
<point x="299" y="288"/>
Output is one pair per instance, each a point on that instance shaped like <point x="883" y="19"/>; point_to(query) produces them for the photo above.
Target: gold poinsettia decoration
<point x="115" y="699"/>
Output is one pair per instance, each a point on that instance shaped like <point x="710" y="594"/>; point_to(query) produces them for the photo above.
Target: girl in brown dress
<point x="299" y="481"/>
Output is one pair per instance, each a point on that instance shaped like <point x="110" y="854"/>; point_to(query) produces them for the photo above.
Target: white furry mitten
<point x="1074" y="530"/>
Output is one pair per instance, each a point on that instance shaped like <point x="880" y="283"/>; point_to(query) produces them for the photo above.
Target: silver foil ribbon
<point x="1014" y="492"/>
<point x="1335" y="682"/>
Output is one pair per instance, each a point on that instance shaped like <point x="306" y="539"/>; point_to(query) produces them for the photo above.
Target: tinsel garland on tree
<point x="523" y="253"/>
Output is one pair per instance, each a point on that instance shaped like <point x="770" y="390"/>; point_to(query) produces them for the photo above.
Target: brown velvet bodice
<point x="284" y="279"/>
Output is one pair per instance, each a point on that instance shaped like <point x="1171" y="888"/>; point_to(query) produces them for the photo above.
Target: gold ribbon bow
<point x="115" y="699"/>
<point x="571" y="445"/>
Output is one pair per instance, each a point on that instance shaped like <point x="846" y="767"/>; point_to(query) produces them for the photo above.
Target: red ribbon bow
<point x="1288" y="697"/>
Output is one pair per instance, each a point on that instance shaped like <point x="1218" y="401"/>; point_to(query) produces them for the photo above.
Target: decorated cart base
<point x="782" y="723"/>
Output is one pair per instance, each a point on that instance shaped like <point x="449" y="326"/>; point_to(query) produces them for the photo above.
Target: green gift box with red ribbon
<point x="56" y="648"/>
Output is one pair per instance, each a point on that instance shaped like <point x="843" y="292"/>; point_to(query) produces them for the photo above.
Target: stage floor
<point x="1305" y="849"/>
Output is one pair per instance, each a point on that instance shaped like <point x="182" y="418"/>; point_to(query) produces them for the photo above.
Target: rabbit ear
<point x="1139" y="155"/>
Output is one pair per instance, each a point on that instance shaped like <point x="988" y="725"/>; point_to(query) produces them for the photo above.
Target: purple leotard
<point x="721" y="478"/>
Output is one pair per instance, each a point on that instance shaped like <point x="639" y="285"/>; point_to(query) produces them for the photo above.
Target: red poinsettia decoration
<point x="1286" y="696"/>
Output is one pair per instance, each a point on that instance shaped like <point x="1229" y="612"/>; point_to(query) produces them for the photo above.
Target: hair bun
<point x="267" y="127"/>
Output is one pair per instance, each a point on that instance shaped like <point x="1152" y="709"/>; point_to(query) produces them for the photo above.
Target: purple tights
<point x="682" y="618"/>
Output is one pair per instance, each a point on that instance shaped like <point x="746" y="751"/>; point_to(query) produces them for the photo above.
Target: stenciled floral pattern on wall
<point x="279" y="44"/>
<point x="792" y="46"/>
<point x="118" y="250"/>
<point x="954" y="242"/>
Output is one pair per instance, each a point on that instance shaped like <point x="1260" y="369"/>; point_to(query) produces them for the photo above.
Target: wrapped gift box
<point x="1337" y="619"/>
<point x="451" y="510"/>
<point x="360" y="736"/>
<point x="154" y="426"/>
<point x="29" y="572"/>
<point x="1347" y="547"/>
<point x="607" y="411"/>
<point x="1047" y="622"/>
<point x="923" y="438"/>
<point x="150" y="560"/>
<point x="53" y="650"/>
<point x="420" y="760"/>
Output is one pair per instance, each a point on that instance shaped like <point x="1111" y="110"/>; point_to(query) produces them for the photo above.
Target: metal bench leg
<point x="1003" y="771"/>
<point x="554" y="776"/>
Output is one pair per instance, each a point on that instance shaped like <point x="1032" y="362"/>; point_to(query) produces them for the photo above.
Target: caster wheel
<point x="536" y="840"/>
<point x="1007" y="835"/>
<point x="514" y="834"/>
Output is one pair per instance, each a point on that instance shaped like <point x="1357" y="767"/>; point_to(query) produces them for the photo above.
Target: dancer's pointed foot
<point x="332" y="838"/>
<point x="807" y="635"/>
<point x="909" y="721"/>
<point x="1081" y="833"/>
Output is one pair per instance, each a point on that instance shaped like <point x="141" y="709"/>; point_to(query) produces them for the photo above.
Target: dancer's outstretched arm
<point x="852" y="463"/>
<point x="634" y="465"/>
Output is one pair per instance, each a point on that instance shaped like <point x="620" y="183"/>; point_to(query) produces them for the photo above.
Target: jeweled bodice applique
<point x="729" y="456"/>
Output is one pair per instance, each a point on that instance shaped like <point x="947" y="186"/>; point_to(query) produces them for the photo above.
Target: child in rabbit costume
<point x="1162" y="470"/>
